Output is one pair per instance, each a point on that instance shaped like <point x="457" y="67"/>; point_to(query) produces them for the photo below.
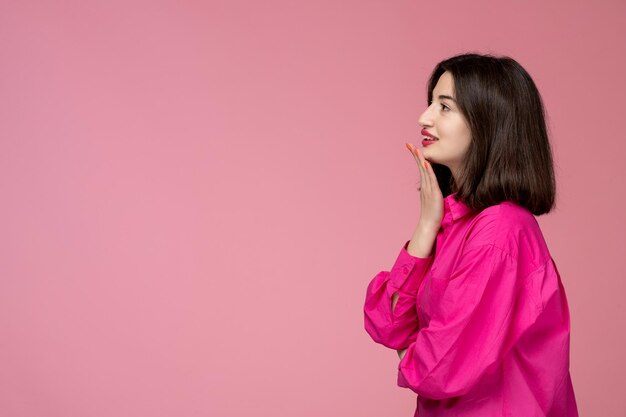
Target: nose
<point x="425" y="118"/>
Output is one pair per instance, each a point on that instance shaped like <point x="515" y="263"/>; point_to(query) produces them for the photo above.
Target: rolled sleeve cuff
<point x="409" y="271"/>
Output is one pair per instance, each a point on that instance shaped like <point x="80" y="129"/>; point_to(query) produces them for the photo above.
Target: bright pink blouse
<point x="485" y="318"/>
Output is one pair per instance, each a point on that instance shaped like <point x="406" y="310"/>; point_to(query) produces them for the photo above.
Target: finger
<point x="410" y="148"/>
<point x="413" y="150"/>
<point x="420" y="164"/>
<point x="423" y="172"/>
<point x="416" y="155"/>
<point x="430" y="172"/>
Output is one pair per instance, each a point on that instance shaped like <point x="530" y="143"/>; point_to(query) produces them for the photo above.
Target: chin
<point x="426" y="153"/>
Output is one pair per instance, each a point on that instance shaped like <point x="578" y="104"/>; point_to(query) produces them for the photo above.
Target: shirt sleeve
<point x="395" y="329"/>
<point x="482" y="311"/>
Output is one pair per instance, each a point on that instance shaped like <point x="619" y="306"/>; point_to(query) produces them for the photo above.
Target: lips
<point x="428" y="135"/>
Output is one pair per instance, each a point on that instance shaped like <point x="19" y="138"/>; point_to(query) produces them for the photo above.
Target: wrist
<point x="422" y="242"/>
<point x="426" y="229"/>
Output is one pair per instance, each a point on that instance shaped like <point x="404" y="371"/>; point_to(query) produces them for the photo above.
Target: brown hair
<point x="509" y="157"/>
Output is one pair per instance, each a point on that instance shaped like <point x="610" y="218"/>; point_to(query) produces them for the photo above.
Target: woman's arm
<point x="423" y="241"/>
<point x="421" y="245"/>
<point x="487" y="305"/>
<point x="396" y="327"/>
<point x="390" y="313"/>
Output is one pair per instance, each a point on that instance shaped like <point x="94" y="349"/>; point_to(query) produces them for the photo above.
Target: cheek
<point x="463" y="138"/>
<point x="464" y="141"/>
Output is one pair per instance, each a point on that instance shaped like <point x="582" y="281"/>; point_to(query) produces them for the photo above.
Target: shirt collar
<point x="453" y="208"/>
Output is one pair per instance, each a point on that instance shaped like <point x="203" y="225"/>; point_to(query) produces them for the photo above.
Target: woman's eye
<point x="443" y="106"/>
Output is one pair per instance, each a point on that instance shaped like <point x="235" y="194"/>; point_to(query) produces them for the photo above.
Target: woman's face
<point x="444" y="121"/>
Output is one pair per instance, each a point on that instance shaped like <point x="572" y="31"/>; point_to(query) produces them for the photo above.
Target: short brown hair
<point x="509" y="157"/>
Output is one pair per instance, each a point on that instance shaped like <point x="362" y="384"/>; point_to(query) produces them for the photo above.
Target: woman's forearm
<point x="423" y="241"/>
<point x="421" y="246"/>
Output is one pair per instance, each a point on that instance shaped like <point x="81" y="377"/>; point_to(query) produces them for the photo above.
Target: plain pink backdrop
<point x="196" y="194"/>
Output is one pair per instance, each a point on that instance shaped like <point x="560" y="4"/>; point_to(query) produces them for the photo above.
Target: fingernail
<point x="425" y="166"/>
<point x="408" y="146"/>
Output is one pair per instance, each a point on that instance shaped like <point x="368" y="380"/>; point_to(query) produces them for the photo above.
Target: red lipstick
<point x="427" y="133"/>
<point x="426" y="142"/>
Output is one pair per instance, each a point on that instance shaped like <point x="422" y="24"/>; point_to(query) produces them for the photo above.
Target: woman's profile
<point x="474" y="303"/>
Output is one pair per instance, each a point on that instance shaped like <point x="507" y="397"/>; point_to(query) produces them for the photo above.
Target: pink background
<point x="195" y="196"/>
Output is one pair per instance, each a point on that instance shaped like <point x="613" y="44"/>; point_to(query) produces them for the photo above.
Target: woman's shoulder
<point x="510" y="227"/>
<point x="508" y="214"/>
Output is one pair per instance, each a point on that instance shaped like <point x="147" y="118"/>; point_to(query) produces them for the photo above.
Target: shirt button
<point x="405" y="269"/>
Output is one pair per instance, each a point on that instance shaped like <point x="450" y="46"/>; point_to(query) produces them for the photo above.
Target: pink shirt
<point x="485" y="318"/>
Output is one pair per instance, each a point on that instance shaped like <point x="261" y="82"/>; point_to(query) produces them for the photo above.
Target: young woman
<point x="474" y="303"/>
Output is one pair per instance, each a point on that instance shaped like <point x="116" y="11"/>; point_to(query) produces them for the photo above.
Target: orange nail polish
<point x="425" y="166"/>
<point x="408" y="146"/>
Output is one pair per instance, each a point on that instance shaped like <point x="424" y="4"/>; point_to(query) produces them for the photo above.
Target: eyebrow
<point x="448" y="97"/>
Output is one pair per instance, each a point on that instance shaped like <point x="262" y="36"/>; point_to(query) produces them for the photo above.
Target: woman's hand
<point x="431" y="212"/>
